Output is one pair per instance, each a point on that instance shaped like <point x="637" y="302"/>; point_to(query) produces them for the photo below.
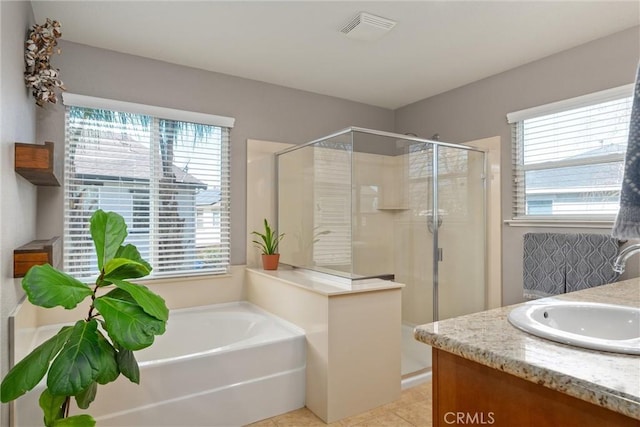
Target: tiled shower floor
<point x="412" y="409"/>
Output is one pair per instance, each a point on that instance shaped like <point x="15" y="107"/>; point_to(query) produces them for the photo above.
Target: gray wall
<point x="269" y="112"/>
<point x="479" y="110"/>
<point x="17" y="195"/>
<point x="262" y="111"/>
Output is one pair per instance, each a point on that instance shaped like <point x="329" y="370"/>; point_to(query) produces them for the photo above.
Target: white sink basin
<point x="604" y="327"/>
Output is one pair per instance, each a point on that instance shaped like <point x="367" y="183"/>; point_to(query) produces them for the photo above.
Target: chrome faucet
<point x="623" y="256"/>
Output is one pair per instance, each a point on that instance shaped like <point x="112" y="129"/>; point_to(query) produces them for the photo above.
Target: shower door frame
<point x="435" y="214"/>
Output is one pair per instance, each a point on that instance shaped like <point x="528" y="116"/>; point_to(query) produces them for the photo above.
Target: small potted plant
<point x="268" y="244"/>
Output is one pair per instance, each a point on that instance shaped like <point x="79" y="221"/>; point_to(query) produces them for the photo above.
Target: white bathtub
<point x="220" y="365"/>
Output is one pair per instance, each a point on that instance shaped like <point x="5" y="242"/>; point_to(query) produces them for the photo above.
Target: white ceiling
<point x="435" y="46"/>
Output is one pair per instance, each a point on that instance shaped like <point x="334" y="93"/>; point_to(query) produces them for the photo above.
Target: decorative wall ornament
<point x="39" y="75"/>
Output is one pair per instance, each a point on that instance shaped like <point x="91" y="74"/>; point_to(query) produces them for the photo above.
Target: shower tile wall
<point x="373" y="233"/>
<point x="391" y="233"/>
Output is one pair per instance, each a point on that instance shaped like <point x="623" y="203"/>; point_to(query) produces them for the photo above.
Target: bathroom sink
<point x="596" y="326"/>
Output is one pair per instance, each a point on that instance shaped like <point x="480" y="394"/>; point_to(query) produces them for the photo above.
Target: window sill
<point x="182" y="278"/>
<point x="560" y="223"/>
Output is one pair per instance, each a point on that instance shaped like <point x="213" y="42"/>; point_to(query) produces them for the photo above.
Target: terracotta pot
<point x="270" y="262"/>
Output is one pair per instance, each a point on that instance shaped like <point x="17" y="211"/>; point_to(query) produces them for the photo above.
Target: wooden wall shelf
<point x="37" y="252"/>
<point x="35" y="163"/>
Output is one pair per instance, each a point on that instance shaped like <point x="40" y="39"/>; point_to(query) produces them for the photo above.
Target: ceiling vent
<point x="366" y="26"/>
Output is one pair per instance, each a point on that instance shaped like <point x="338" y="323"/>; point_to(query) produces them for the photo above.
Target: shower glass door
<point x="414" y="263"/>
<point x="461" y="287"/>
<point x="440" y="240"/>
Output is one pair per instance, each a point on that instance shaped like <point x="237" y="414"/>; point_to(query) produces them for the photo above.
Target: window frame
<point x="225" y="124"/>
<point x="516" y="121"/>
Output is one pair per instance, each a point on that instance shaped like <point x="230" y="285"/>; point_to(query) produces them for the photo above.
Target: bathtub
<point x="220" y="365"/>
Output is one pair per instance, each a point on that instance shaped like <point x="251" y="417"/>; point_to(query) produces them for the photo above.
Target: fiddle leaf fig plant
<point x="123" y="317"/>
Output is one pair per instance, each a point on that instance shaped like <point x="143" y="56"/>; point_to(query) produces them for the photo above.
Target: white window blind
<point x="568" y="158"/>
<point x="168" y="178"/>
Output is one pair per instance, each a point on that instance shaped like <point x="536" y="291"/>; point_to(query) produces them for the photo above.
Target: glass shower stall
<point x="363" y="203"/>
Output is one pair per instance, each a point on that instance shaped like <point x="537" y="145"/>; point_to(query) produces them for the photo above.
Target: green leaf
<point x="126" y="322"/>
<point x="86" y="396"/>
<point x="128" y="365"/>
<point x="122" y="268"/>
<point x="47" y="287"/>
<point x="78" y="364"/>
<point x="151" y="303"/>
<point x="51" y="406"/>
<point x="108" y="361"/>
<point x="27" y="373"/>
<point x="131" y="252"/>
<point x="83" y="420"/>
<point x="108" y="231"/>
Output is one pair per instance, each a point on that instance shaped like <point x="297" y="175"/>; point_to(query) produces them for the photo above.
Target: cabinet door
<point x="466" y="392"/>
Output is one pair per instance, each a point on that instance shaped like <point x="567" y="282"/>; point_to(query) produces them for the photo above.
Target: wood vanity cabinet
<point x="468" y="393"/>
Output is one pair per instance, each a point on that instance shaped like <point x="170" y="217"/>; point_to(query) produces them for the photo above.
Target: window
<point x="569" y="157"/>
<point x="160" y="174"/>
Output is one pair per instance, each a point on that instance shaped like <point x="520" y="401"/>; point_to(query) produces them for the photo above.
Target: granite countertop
<point x="605" y="379"/>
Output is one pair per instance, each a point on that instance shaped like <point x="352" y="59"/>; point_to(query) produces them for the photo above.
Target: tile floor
<point x="413" y="409"/>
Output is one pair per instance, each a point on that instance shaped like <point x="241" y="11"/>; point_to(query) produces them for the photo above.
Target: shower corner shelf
<point x="35" y="163"/>
<point x="37" y="252"/>
<point x="393" y="208"/>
